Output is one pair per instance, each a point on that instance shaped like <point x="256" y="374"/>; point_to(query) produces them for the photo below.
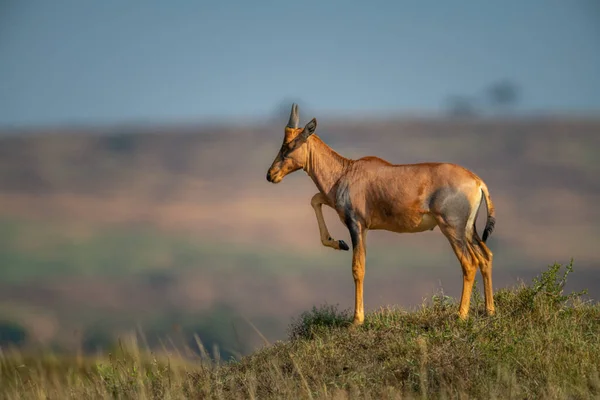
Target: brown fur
<point x="371" y="193"/>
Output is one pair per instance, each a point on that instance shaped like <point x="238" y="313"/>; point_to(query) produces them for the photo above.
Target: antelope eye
<point x="284" y="152"/>
<point x="286" y="148"/>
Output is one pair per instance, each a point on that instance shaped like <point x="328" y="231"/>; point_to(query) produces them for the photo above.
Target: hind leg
<point x="469" y="270"/>
<point x="486" y="273"/>
<point x="485" y="265"/>
<point x="465" y="255"/>
<point x="456" y="213"/>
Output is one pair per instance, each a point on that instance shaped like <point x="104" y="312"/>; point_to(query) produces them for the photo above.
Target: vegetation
<point x="35" y="250"/>
<point x="543" y="343"/>
<point x="60" y="277"/>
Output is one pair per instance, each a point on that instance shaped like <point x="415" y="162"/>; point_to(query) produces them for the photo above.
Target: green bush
<point x="318" y="319"/>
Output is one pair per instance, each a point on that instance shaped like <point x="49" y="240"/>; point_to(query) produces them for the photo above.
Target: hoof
<point x="343" y="245"/>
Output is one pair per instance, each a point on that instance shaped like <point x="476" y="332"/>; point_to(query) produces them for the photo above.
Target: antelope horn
<point x="294" y="118"/>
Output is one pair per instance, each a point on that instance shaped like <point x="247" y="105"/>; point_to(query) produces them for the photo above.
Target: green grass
<point x="541" y="344"/>
<point x="40" y="249"/>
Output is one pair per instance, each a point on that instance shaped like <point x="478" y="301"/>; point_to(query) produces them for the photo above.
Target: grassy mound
<point x="541" y="344"/>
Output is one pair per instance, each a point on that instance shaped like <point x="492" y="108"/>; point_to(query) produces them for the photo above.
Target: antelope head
<point x="294" y="152"/>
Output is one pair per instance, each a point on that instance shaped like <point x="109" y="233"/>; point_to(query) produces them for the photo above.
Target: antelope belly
<point x="428" y="223"/>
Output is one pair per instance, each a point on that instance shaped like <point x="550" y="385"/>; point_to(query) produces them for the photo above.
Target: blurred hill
<point x="164" y="225"/>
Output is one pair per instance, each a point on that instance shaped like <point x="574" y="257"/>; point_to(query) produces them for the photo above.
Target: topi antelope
<point x="370" y="193"/>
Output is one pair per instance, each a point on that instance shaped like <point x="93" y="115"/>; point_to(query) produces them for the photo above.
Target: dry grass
<point x="542" y="344"/>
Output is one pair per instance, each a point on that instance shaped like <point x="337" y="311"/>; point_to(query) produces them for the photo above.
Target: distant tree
<point x="503" y="95"/>
<point x="460" y="106"/>
<point x="121" y="143"/>
<point x="12" y="333"/>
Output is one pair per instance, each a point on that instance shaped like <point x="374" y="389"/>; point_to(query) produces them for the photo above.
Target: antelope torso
<point x="396" y="198"/>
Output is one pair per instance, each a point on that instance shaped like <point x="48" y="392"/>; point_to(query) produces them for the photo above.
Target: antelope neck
<point x="324" y="165"/>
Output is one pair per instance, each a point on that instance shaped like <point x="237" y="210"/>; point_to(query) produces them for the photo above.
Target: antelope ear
<point x="310" y="128"/>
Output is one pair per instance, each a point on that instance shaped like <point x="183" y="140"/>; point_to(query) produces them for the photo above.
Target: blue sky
<point x="113" y="61"/>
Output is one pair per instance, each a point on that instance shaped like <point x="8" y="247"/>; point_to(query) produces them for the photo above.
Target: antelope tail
<point x="491" y="220"/>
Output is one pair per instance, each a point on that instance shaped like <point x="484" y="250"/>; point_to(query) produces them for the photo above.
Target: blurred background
<point x="135" y="137"/>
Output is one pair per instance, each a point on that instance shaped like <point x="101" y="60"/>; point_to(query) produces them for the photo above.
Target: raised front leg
<point x="317" y="202"/>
